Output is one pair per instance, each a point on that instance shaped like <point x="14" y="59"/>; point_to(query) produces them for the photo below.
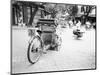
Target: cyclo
<point x="45" y="38"/>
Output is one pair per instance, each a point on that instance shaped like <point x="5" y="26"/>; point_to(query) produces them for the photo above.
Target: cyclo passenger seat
<point x="46" y="25"/>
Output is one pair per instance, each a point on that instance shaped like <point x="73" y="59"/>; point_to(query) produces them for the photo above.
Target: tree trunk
<point x="25" y="14"/>
<point x="32" y="16"/>
<point x="13" y="16"/>
<point x="17" y="16"/>
<point x="42" y="13"/>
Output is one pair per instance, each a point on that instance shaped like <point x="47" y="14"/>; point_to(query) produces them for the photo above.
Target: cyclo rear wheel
<point x="34" y="50"/>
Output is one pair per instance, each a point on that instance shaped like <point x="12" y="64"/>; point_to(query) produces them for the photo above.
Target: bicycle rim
<point x="34" y="51"/>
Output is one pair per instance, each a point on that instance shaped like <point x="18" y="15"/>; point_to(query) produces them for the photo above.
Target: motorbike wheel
<point x="34" y="50"/>
<point x="78" y="36"/>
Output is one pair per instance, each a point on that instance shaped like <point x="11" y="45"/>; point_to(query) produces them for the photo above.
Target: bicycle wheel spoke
<point x="34" y="50"/>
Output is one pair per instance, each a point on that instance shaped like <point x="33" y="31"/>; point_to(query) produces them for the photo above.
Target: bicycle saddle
<point x="39" y="31"/>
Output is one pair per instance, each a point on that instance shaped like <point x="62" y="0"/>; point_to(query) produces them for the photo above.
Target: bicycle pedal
<point x="32" y="50"/>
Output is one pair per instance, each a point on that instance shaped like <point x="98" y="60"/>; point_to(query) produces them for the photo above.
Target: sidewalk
<point x="21" y="27"/>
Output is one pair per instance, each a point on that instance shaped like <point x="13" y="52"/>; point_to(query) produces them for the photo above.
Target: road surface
<point x="74" y="54"/>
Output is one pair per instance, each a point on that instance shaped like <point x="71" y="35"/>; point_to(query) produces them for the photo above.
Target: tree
<point x="72" y="10"/>
<point x="86" y="10"/>
<point x="51" y="9"/>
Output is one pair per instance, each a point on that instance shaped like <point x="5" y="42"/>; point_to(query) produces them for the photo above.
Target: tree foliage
<point x="72" y="10"/>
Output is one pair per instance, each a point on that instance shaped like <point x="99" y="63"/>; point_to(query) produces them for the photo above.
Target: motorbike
<point x="78" y="34"/>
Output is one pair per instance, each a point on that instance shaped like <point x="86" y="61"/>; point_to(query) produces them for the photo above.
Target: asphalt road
<point x="74" y="54"/>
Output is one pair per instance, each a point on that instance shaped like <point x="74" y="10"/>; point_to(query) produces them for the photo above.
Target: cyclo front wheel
<point x="34" y="50"/>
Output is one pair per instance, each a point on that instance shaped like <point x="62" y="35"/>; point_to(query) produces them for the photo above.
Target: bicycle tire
<point x="37" y="53"/>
